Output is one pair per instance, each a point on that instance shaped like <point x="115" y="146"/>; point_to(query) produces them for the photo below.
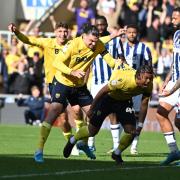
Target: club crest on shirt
<point x="115" y="82"/>
<point x="57" y="95"/>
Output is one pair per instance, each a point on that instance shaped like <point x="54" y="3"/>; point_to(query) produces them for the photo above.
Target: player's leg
<point x="77" y="116"/>
<point x="93" y="127"/>
<point x="128" y="121"/>
<point x="165" y="106"/>
<point x="116" y="130"/>
<point x="56" y="108"/>
<point x="136" y="106"/>
<point x="177" y="117"/>
<point x="29" y="117"/>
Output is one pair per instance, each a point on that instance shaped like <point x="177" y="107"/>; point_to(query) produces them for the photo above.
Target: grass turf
<point x="17" y="145"/>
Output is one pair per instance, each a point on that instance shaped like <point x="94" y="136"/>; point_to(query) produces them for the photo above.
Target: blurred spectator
<point x="36" y="112"/>
<point x="35" y="65"/>
<point x="142" y="17"/>
<point x="12" y="59"/>
<point x="164" y="64"/>
<point x="3" y="69"/>
<point x="83" y="14"/>
<point x="111" y="10"/>
<point x="167" y="29"/>
<point x="20" y="81"/>
<point x="153" y="28"/>
<point x="129" y="15"/>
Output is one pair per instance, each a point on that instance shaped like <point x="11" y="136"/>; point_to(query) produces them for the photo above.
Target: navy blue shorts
<point x="107" y="105"/>
<point x="74" y="95"/>
<point x="50" y="88"/>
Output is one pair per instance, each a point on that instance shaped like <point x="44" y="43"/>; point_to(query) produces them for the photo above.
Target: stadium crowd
<point x="22" y="65"/>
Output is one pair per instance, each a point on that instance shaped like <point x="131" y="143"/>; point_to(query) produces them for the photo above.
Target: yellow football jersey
<point x="123" y="85"/>
<point x="77" y="56"/>
<point x="51" y="49"/>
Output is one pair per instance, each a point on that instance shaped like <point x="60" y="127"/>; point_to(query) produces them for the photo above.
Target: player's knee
<point x="92" y="130"/>
<point x="162" y="112"/>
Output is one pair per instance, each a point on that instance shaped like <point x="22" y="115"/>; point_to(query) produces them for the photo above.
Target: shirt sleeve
<point x="105" y="54"/>
<point x="31" y="40"/>
<point x="114" y="83"/>
<point x="148" y="56"/>
<point x="105" y="39"/>
<point x="62" y="58"/>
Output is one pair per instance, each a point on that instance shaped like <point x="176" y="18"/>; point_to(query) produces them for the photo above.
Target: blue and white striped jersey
<point x="101" y="72"/>
<point x="176" y="56"/>
<point x="137" y="55"/>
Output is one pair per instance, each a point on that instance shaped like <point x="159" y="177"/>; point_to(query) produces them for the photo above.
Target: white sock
<point x="91" y="141"/>
<point x="115" y="131"/>
<point x="171" y="141"/>
<point x="135" y="142"/>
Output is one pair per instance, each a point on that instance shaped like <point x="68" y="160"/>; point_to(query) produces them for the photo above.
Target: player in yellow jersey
<point x="51" y="47"/>
<point x="116" y="97"/>
<point x="71" y="65"/>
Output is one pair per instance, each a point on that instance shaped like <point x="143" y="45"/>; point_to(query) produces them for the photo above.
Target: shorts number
<point x="130" y="110"/>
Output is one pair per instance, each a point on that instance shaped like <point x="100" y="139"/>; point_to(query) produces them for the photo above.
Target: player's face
<point x="61" y="34"/>
<point x="145" y="79"/>
<point x="176" y="19"/>
<point x="131" y="34"/>
<point x="101" y="26"/>
<point x="90" y="40"/>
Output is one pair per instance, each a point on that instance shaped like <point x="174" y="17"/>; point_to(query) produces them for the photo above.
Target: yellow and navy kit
<point x="51" y="49"/>
<point x="123" y="85"/>
<point x="77" y="56"/>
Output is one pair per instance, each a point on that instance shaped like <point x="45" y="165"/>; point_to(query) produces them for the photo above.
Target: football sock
<point x="135" y="142"/>
<point x="44" y="133"/>
<point x="115" y="131"/>
<point x="91" y="141"/>
<point x="171" y="141"/>
<point x="125" y="141"/>
<point x="79" y="124"/>
<point x="83" y="133"/>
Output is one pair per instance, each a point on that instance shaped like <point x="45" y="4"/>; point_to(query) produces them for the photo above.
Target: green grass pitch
<point x="18" y="143"/>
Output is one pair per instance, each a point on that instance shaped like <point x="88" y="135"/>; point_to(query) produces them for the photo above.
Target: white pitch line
<point x="80" y="171"/>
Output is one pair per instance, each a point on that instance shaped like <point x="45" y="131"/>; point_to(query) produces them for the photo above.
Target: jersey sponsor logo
<point x="130" y="110"/>
<point x="80" y="59"/>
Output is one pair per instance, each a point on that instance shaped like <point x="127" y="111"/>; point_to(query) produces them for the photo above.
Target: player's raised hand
<point x="12" y="27"/>
<point x="163" y="87"/>
<point x="165" y="93"/>
<point x="78" y="73"/>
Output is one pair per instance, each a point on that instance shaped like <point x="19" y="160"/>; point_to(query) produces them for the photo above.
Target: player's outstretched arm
<point x="142" y="114"/>
<point x="22" y="37"/>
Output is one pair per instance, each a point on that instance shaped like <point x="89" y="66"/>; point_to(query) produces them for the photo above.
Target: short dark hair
<point x="134" y="26"/>
<point x="177" y="9"/>
<point x="102" y="18"/>
<point x="144" y="69"/>
<point x="90" y="29"/>
<point x="61" y="24"/>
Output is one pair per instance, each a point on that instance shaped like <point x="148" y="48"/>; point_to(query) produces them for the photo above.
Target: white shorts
<point x="95" y="88"/>
<point x="137" y="102"/>
<point x="173" y="99"/>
